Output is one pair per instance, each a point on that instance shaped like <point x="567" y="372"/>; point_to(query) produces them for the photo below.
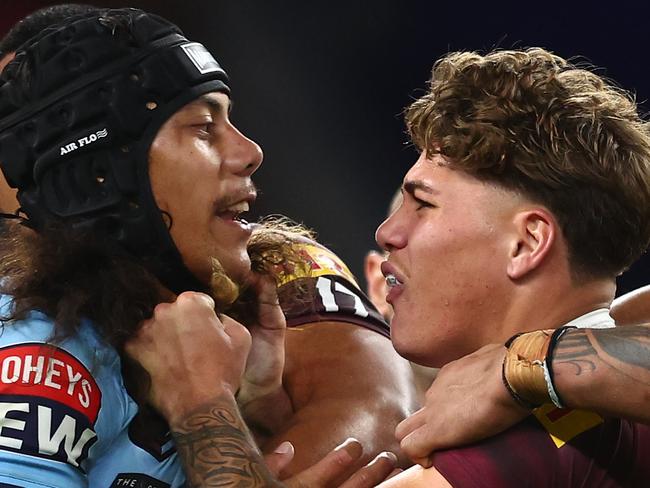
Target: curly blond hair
<point x="562" y="135"/>
<point x="272" y="250"/>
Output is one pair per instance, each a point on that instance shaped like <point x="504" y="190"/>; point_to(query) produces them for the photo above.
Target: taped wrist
<point x="523" y="368"/>
<point x="527" y="372"/>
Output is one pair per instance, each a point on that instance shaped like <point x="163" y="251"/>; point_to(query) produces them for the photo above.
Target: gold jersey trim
<point x="565" y="424"/>
<point x="320" y="262"/>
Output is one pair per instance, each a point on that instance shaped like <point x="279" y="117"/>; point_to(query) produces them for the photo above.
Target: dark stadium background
<point x="320" y="85"/>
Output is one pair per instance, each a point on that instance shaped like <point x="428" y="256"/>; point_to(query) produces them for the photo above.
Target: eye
<point x="422" y="204"/>
<point x="205" y="130"/>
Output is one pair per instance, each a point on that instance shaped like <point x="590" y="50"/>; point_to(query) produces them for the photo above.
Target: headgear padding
<point x="79" y="108"/>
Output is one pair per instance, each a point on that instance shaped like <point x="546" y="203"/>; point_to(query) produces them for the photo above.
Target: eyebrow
<point x="412" y="185"/>
<point x="213" y="104"/>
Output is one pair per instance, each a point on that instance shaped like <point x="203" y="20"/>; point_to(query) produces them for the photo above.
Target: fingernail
<point x="345" y="443"/>
<point x="351" y="449"/>
<point x="285" y="448"/>
<point x="387" y="455"/>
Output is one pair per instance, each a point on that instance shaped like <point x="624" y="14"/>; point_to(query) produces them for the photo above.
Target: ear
<point x="377" y="288"/>
<point x="6" y="59"/>
<point x="536" y="232"/>
<point x="8" y="200"/>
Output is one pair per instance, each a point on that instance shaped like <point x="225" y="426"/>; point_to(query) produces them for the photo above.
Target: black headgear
<point x="79" y="107"/>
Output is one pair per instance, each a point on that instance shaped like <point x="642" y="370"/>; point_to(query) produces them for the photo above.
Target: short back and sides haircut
<point x="561" y="135"/>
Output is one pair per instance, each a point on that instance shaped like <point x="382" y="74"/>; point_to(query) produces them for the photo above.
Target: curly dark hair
<point x="71" y="275"/>
<point x="562" y="135"/>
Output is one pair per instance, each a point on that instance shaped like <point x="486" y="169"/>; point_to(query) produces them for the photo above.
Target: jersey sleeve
<point x="326" y="290"/>
<point x="50" y="399"/>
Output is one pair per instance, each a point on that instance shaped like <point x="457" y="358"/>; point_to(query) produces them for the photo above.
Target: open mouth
<point x="234" y="212"/>
<point x="390" y="274"/>
<point x="392" y="281"/>
<point x="232" y="208"/>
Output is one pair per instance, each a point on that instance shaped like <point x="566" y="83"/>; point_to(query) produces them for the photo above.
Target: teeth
<point x="240" y="207"/>
<point x="392" y="281"/>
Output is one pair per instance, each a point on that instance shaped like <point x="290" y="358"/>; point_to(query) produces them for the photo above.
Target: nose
<point x="391" y="235"/>
<point x="246" y="156"/>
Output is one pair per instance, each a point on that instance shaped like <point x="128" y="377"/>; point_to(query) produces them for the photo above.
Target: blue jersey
<point x="66" y="419"/>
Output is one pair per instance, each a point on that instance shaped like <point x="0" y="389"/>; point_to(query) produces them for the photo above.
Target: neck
<point x="553" y="305"/>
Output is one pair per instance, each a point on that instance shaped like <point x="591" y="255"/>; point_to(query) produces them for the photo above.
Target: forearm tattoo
<point x="625" y="349"/>
<point x="216" y="449"/>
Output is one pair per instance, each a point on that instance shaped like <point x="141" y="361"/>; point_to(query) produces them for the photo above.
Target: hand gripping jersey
<point x="65" y="415"/>
<point x="556" y="448"/>
<point x="66" y="419"/>
<point x="326" y="291"/>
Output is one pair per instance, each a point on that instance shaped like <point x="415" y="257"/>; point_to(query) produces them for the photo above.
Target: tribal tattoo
<point x="626" y="349"/>
<point x="217" y="450"/>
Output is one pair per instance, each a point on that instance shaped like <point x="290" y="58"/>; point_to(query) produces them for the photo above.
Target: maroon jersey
<point x="327" y="291"/>
<point x="554" y="448"/>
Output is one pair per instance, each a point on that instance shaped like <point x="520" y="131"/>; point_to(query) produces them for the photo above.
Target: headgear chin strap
<point x="79" y="108"/>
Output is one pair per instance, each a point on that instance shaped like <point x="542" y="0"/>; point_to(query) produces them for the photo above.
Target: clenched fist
<point x="191" y="354"/>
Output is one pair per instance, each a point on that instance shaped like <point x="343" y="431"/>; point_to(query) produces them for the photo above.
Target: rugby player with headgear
<point x="114" y="129"/>
<point x="323" y="308"/>
<point x="333" y="327"/>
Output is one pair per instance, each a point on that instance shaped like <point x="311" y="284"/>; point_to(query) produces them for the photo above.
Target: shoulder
<point x="341" y="341"/>
<point x="38" y="330"/>
<point x="555" y="448"/>
<point x="337" y="342"/>
<point x="341" y="363"/>
<point x="522" y="451"/>
<point x="633" y="307"/>
<point x="64" y="399"/>
<point x="325" y="290"/>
